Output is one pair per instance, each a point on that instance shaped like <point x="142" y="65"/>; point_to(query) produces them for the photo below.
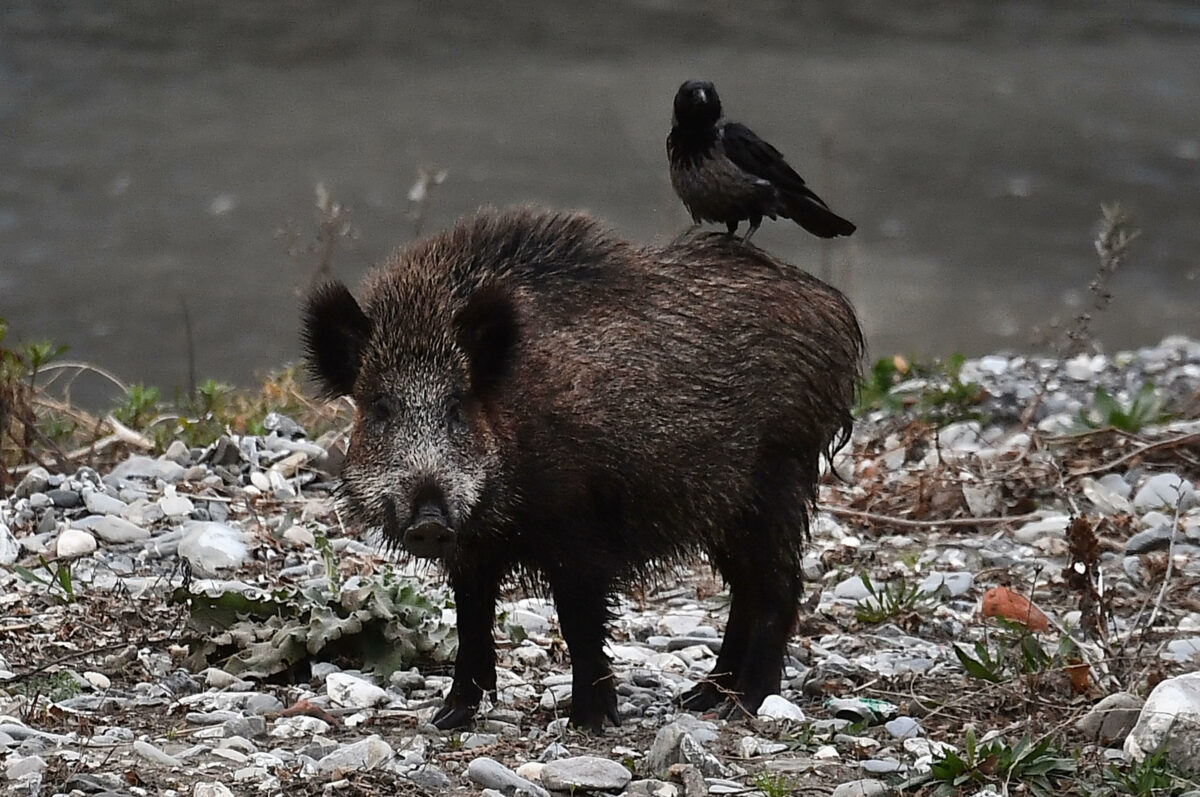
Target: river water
<point x="151" y="153"/>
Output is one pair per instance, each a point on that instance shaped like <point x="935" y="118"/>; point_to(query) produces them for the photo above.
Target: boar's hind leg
<point x="722" y="681"/>
<point x="583" y="614"/>
<point x="761" y="563"/>
<point x="476" y="587"/>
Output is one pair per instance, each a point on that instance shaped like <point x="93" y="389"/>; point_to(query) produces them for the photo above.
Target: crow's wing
<point x="751" y="154"/>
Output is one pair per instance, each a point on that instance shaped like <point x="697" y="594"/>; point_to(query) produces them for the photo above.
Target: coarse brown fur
<point x="574" y="408"/>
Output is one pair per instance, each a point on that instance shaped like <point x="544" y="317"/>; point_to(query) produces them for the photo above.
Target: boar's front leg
<point x="476" y="584"/>
<point x="583" y="614"/>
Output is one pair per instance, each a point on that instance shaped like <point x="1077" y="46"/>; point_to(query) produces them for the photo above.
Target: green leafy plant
<point x="1017" y="651"/>
<point x="141" y="405"/>
<point x="1108" y="413"/>
<point x="57" y="575"/>
<point x="952" y="399"/>
<point x="1152" y="776"/>
<point x="1036" y="766"/>
<point x="775" y="784"/>
<point x="55" y="686"/>
<point x="895" y="597"/>
<point x="942" y="398"/>
<point x="875" y="392"/>
<point x="382" y="624"/>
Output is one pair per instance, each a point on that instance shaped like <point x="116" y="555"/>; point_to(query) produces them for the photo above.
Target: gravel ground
<point x="201" y="623"/>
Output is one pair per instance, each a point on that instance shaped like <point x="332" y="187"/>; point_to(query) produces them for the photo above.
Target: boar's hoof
<point x="733" y="710"/>
<point x="451" y="716"/>
<point x="702" y="697"/>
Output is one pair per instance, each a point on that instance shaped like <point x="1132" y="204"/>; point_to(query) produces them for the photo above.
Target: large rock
<point x="488" y="773"/>
<point x="1110" y="720"/>
<point x="362" y="755"/>
<point x="353" y="692"/>
<point x="112" y="530"/>
<point x="212" y="547"/>
<point x="1170" y="721"/>
<point x="587" y="772"/>
<point x="144" y="468"/>
<point x="10" y="549"/>
<point x="1163" y="490"/>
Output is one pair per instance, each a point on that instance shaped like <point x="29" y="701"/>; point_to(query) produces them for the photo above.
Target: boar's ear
<point x="487" y="330"/>
<point x="335" y="333"/>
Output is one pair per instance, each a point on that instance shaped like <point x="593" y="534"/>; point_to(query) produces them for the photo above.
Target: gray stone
<point x="65" y="499"/>
<point x="585" y="772"/>
<point x="74" y="542"/>
<point x="212" y="547"/>
<point x="211" y="789"/>
<point x="852" y="589"/>
<point x="354" y="692"/>
<point x="154" y="755"/>
<point x="487" y="773"/>
<point x="904" y="728"/>
<point x="953" y="584"/>
<point x="470" y="741"/>
<point x="178" y="453"/>
<point x="1170" y="720"/>
<point x="1155" y="539"/>
<point x="880" y="766"/>
<point x="147" y="468"/>
<point x="10" y="549"/>
<point x="430" y="778"/>
<point x="36" y="481"/>
<point x="1162" y="490"/>
<point x="19" y="767"/>
<point x="363" y="755"/>
<point x="103" y="504"/>
<point x="867" y="787"/>
<point x="1110" y="720"/>
<point x="779" y="708"/>
<point x="1184" y="651"/>
<point x="113" y="530"/>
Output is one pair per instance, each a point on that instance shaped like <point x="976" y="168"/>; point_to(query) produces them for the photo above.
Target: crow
<point x="724" y="173"/>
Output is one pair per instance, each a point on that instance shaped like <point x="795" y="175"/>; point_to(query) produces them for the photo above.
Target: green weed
<point x="1108" y="413"/>
<point x="1151" y="777"/>
<point x="57" y="575"/>
<point x="895" y="597"/>
<point x="1017" y="652"/>
<point x="1030" y="766"/>
<point x="775" y="784"/>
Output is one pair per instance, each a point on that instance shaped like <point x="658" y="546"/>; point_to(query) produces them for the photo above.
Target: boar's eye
<point x="456" y="414"/>
<point x="382" y="409"/>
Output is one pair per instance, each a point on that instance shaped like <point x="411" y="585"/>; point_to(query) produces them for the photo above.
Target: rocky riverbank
<point x="201" y="623"/>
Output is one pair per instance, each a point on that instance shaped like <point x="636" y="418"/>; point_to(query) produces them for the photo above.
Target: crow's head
<point x="697" y="104"/>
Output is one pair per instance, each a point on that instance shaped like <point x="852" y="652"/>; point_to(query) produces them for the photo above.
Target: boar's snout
<point x="427" y="535"/>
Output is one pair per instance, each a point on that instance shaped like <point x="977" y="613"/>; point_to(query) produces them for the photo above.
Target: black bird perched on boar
<point x="541" y="400"/>
<point x="724" y="173"/>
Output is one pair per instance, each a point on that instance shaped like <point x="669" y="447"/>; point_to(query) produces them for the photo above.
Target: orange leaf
<point x="1003" y="602"/>
<point x="1079" y="672"/>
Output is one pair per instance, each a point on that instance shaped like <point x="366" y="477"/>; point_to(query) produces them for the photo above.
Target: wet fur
<point x="626" y="409"/>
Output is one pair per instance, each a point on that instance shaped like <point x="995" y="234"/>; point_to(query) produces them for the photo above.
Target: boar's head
<point x="424" y="366"/>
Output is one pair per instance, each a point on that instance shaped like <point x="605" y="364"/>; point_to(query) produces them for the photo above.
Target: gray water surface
<point x="150" y="153"/>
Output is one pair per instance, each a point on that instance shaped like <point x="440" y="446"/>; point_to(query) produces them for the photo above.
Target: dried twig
<point x="841" y="511"/>
<point x="1172" y="442"/>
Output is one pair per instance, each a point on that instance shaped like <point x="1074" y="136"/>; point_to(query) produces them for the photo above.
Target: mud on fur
<point x="536" y="397"/>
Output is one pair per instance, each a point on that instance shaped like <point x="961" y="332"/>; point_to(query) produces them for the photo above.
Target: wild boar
<point x="535" y="397"/>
